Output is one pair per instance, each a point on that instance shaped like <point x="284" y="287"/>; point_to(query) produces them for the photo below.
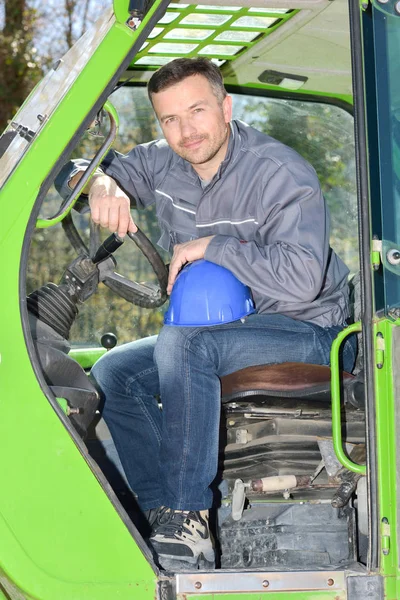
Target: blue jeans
<point x="170" y="456"/>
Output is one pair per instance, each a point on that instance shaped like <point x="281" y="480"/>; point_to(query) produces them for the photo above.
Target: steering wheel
<point x="99" y="258"/>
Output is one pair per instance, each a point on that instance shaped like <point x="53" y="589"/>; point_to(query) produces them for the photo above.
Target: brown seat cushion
<point x="285" y="377"/>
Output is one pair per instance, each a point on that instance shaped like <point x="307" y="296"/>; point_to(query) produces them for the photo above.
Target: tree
<point x="19" y="65"/>
<point x="32" y="36"/>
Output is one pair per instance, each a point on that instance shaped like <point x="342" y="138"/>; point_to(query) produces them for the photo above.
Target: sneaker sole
<point x="172" y="563"/>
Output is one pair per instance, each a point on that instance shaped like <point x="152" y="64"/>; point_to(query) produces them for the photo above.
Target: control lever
<point x="108" y="247"/>
<point x="108" y="341"/>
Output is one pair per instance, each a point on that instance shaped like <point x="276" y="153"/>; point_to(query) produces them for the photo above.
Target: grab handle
<point x="94" y="163"/>
<point x="336" y="409"/>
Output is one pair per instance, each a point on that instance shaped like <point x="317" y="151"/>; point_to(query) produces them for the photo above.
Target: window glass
<point x="51" y="89"/>
<point x="322" y="133"/>
<point x="387" y="49"/>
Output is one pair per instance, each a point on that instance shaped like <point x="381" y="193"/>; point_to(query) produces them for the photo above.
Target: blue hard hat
<point x="206" y="294"/>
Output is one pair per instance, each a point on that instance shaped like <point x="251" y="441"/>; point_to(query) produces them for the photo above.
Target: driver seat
<point x="288" y="380"/>
<point x="298" y="380"/>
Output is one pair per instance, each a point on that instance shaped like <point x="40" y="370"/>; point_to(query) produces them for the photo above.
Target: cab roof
<point x="293" y="46"/>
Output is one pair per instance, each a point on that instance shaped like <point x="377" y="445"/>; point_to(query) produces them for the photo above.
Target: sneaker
<point x="182" y="540"/>
<point x="151" y="516"/>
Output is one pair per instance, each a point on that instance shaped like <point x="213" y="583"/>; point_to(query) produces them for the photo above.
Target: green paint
<point x="86" y="357"/>
<point x="336" y="401"/>
<point x="63" y="405"/>
<point x="61" y="536"/>
<point x="120" y="8"/>
<point x="215" y="31"/>
<point x="110" y="110"/>
<point x="387" y="455"/>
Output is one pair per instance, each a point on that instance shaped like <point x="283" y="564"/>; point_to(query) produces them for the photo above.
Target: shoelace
<point x="172" y="523"/>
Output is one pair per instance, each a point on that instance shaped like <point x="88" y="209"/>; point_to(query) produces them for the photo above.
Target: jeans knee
<point x="109" y="373"/>
<point x="100" y="369"/>
<point x="175" y="342"/>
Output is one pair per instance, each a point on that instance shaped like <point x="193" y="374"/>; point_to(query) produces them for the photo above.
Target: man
<point x="236" y="197"/>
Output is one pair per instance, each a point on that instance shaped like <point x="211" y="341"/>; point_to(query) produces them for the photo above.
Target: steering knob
<point x="108" y="341"/>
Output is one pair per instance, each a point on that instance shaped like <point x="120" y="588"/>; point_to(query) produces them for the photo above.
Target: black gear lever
<point x="108" y="341"/>
<point x="108" y="247"/>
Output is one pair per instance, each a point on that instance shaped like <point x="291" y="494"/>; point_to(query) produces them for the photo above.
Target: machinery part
<point x="207" y="294"/>
<point x="108" y="341"/>
<point x="238" y="499"/>
<point x="348" y="479"/>
<point x="144" y="295"/>
<point x="362" y="506"/>
<point x="346" y="489"/>
<point x="67" y="206"/>
<point x="336" y="403"/>
<point x="103" y="264"/>
<point x="279" y="483"/>
<point x="53" y="305"/>
<point x="332" y="465"/>
<point x="289" y="536"/>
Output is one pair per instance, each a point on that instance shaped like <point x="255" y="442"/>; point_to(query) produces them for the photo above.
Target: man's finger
<point x="95" y="212"/>
<point x="123" y="221"/>
<point x="104" y="215"/>
<point x="174" y="269"/>
<point x="114" y="220"/>
<point x="132" y="226"/>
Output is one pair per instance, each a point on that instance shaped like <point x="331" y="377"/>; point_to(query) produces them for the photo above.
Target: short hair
<point x="180" y="68"/>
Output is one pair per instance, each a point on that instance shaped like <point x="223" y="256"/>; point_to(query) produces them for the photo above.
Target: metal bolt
<point x="197" y="585"/>
<point x="393" y="255"/>
<point x="265" y="583"/>
<point x="397" y="7"/>
<point x="331" y="581"/>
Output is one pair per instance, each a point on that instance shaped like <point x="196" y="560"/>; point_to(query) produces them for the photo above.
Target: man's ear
<point x="227" y="108"/>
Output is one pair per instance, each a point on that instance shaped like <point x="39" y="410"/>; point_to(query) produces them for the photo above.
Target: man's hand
<point x="110" y="206"/>
<point x="184" y="253"/>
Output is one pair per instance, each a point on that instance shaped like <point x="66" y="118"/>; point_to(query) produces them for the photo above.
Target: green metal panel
<point x="61" y="537"/>
<point x="387" y="455"/>
<point x="334" y="595"/>
<point x="185" y="39"/>
<point x="86" y="357"/>
<point x="336" y="401"/>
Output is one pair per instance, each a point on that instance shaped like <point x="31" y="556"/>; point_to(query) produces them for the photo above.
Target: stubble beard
<point x="203" y="155"/>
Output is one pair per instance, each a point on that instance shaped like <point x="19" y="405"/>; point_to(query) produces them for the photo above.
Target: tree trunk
<point x="18" y="69"/>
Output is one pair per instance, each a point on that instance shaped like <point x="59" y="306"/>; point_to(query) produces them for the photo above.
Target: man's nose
<point x="187" y="127"/>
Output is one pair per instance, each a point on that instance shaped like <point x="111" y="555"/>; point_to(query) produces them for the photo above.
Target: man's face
<point x="194" y="122"/>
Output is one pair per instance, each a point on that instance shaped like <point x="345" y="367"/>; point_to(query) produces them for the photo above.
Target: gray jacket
<point x="264" y="207"/>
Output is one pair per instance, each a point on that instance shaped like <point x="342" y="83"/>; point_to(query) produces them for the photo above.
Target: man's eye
<point x="197" y="110"/>
<point x="170" y="120"/>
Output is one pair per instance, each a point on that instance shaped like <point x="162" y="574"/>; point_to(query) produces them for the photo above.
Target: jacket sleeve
<point x="287" y="259"/>
<point x="134" y="172"/>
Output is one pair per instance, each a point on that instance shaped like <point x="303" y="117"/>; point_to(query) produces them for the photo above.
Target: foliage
<point x="32" y="35"/>
<point x="104" y="311"/>
<point x="321" y="133"/>
<point x="19" y="64"/>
